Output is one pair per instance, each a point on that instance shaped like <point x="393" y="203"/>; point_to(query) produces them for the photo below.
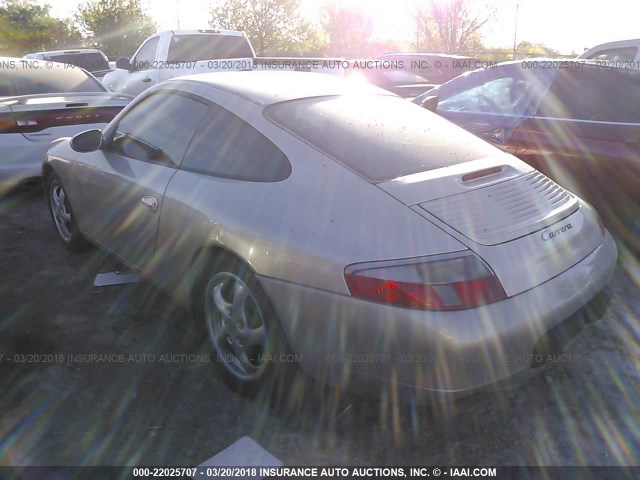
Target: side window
<point x="147" y="55"/>
<point x="226" y="146"/>
<point x="624" y="54"/>
<point x="606" y="95"/>
<point x="159" y="128"/>
<point x="507" y="95"/>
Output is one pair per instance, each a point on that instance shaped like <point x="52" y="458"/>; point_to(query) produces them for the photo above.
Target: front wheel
<point x="62" y="215"/>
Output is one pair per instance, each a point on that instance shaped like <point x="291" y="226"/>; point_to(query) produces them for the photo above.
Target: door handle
<point x="150" y="202"/>
<point x="146" y="80"/>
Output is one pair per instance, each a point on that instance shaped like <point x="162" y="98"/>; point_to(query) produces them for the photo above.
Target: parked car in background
<point x="40" y="102"/>
<point x="621" y="54"/>
<point x="92" y="60"/>
<point x="402" y="82"/>
<point x="174" y="53"/>
<point x="308" y="212"/>
<point x="577" y="122"/>
<point x="434" y="68"/>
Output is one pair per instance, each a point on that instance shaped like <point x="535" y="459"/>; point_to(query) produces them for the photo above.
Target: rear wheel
<point x="62" y="215"/>
<point x="242" y="327"/>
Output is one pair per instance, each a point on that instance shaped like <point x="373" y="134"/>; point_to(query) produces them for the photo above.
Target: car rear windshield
<point x="195" y="48"/>
<point x="92" y="62"/>
<point x="378" y="136"/>
<point x="32" y="80"/>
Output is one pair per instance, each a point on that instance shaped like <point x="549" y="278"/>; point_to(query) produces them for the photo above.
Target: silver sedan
<point x="311" y="218"/>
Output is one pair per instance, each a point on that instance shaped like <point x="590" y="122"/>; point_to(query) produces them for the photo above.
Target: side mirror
<point x="124" y="63"/>
<point x="87" y="141"/>
<point x="430" y="103"/>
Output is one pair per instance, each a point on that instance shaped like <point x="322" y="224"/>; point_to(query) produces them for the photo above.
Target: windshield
<point x="61" y="79"/>
<point x="380" y="137"/>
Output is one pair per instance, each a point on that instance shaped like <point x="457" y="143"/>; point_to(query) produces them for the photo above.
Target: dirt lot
<point x="58" y="410"/>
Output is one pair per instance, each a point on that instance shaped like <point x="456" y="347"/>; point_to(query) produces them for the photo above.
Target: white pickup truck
<point x="175" y="53"/>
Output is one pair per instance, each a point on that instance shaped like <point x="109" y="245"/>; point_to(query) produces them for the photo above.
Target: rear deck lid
<point x="40" y="117"/>
<point x="506" y="210"/>
<point x="525" y="226"/>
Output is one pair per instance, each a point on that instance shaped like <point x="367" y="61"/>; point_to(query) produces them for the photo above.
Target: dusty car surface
<point x="40" y="103"/>
<point x="298" y="212"/>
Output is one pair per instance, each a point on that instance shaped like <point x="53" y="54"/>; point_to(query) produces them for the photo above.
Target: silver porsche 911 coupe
<point x="305" y="216"/>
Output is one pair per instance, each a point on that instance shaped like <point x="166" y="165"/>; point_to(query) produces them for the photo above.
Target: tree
<point x="527" y="49"/>
<point x="451" y="26"/>
<point x="273" y="26"/>
<point x="348" y="30"/>
<point x="28" y="27"/>
<point x="117" y="27"/>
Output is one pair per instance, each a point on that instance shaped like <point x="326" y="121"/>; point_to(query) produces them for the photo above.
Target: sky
<point x="569" y="26"/>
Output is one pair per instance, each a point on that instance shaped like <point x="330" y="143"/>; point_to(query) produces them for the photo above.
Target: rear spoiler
<point x="23" y="99"/>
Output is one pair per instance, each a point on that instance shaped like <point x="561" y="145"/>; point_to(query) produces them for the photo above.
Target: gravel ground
<point x="151" y="412"/>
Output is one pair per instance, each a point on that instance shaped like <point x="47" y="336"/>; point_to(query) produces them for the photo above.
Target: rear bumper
<point x="373" y="348"/>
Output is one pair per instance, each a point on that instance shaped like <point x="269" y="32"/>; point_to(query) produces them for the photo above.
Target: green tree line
<point x="115" y="26"/>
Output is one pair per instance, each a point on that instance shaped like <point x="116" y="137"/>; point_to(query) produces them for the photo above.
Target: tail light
<point x="7" y="123"/>
<point x="442" y="282"/>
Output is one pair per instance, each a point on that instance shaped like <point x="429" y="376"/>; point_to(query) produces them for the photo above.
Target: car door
<point x="229" y="168"/>
<point x="123" y="183"/>
<point x="586" y="136"/>
<point x="492" y="103"/>
<point x="144" y="73"/>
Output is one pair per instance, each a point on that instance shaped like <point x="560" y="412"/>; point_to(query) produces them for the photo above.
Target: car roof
<point x="27" y="63"/>
<point x="564" y="63"/>
<point x="68" y="51"/>
<point x="268" y="87"/>
<point x="634" y="42"/>
<point x="214" y="31"/>
<point x="427" y="55"/>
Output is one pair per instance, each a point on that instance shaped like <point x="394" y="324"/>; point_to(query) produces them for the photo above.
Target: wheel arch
<point x="46" y="171"/>
<point x="200" y="264"/>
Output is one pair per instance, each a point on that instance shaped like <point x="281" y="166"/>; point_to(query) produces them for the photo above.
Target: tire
<point x="242" y="328"/>
<point x="62" y="215"/>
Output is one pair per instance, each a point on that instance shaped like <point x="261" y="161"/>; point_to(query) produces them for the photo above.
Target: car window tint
<point x="507" y="95"/>
<point x="207" y="47"/>
<point x="620" y="54"/>
<point x="604" y="94"/>
<point x="34" y="78"/>
<point x="159" y="128"/>
<point x="147" y="54"/>
<point x="226" y="146"/>
<point x="381" y="137"/>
